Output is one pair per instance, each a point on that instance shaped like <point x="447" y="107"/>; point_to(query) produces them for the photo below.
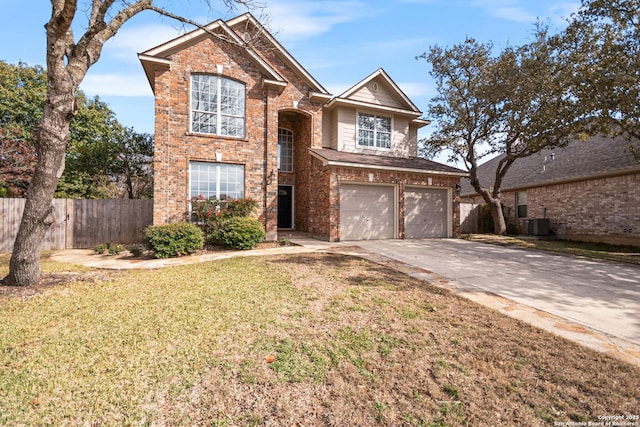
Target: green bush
<point x="210" y="214"/>
<point x="240" y="233"/>
<point x="101" y="248"/>
<point x="135" y="250"/>
<point x="169" y="240"/>
<point x="115" y="249"/>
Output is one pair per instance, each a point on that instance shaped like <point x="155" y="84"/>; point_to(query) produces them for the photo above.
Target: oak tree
<point x="513" y="104"/>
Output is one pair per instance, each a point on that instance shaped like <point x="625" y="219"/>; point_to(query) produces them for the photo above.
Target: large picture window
<point x="285" y="150"/>
<point x="374" y="131"/>
<point x="216" y="180"/>
<point x="217" y="106"/>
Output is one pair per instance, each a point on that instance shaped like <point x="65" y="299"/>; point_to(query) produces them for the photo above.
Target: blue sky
<point x="338" y="42"/>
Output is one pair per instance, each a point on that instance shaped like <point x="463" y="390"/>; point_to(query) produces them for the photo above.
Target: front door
<point x="285" y="206"/>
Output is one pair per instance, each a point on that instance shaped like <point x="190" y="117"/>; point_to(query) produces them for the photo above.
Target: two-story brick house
<point x="237" y="116"/>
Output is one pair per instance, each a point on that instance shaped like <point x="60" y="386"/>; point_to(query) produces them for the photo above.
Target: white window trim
<point x="218" y="112"/>
<point x="367" y="147"/>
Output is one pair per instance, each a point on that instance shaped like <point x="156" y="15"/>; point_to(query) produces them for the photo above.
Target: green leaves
<point x="103" y="158"/>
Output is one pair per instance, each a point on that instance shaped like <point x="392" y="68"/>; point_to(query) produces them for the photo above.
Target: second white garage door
<point x="367" y="212"/>
<point x="426" y="213"/>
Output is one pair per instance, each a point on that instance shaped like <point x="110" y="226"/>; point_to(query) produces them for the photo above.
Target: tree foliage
<point x="103" y="159"/>
<point x="602" y="42"/>
<point x="513" y="103"/>
<point x="17" y="160"/>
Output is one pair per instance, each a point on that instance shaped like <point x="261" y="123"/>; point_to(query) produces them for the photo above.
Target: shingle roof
<point x="341" y="158"/>
<point x="580" y="160"/>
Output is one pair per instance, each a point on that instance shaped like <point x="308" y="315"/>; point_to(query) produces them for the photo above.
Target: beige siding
<point x="401" y="147"/>
<point x="328" y="131"/>
<point x="346" y="129"/>
<point x="381" y="97"/>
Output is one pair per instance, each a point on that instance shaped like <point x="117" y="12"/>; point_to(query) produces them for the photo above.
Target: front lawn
<point x="314" y="339"/>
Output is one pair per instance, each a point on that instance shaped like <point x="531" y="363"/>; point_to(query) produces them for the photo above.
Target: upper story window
<point x="217" y="106"/>
<point x="285" y="150"/>
<point x="374" y="131"/>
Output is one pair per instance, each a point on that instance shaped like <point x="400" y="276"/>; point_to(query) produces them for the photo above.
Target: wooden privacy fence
<point x="470" y="218"/>
<point x="82" y="223"/>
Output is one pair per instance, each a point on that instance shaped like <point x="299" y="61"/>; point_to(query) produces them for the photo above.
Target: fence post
<point x="68" y="240"/>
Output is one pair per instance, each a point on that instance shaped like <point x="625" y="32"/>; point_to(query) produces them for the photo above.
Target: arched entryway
<point x="294" y="164"/>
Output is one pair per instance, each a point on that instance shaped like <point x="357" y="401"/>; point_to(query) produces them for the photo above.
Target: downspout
<point x="265" y="160"/>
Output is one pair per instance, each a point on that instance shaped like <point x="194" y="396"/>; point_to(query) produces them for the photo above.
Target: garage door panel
<point x="426" y="213"/>
<point x="366" y="212"/>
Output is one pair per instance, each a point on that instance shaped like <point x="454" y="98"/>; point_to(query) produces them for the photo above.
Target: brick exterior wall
<point x="604" y="209"/>
<point x="176" y="147"/>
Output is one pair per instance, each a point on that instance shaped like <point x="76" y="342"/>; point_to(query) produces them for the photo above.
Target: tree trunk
<point x="499" y="224"/>
<point x="50" y="140"/>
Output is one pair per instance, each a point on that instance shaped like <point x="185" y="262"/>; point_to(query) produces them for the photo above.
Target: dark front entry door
<point x="285" y="206"/>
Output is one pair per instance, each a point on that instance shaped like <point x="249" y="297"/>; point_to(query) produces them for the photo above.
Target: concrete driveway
<point x="599" y="301"/>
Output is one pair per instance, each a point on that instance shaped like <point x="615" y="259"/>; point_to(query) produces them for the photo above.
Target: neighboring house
<point x="589" y="190"/>
<point x="237" y="116"/>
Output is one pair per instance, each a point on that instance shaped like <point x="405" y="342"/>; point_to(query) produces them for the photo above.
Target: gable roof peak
<point x="380" y="73"/>
<point x="231" y="30"/>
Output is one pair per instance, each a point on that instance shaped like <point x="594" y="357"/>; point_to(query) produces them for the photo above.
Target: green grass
<point x="188" y="346"/>
<point x="95" y="350"/>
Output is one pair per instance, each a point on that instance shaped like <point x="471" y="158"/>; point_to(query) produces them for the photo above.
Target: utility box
<point x="541" y="226"/>
<point x="536" y="226"/>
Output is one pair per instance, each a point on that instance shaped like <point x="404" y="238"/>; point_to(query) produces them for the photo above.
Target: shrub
<point x="115" y="249"/>
<point x="168" y="240"/>
<point x="101" y="248"/>
<point x="210" y="214"/>
<point x="241" y="233"/>
<point x="135" y="250"/>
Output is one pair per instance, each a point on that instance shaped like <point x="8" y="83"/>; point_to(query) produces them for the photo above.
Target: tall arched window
<point x="285" y="150"/>
<point x="217" y="106"/>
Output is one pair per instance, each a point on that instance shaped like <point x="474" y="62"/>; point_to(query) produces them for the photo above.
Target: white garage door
<point x="366" y="212"/>
<point x="426" y="213"/>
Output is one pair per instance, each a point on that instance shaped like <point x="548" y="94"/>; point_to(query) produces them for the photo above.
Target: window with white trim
<point x="221" y="181"/>
<point x="374" y="131"/>
<point x="285" y="150"/>
<point x="217" y="106"/>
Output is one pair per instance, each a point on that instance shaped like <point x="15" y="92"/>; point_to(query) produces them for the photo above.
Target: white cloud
<point x="130" y="41"/>
<point x="114" y="84"/>
<point x="293" y="20"/>
<point x="523" y="12"/>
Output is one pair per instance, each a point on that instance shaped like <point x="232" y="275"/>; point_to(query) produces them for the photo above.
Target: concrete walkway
<point x="593" y="303"/>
